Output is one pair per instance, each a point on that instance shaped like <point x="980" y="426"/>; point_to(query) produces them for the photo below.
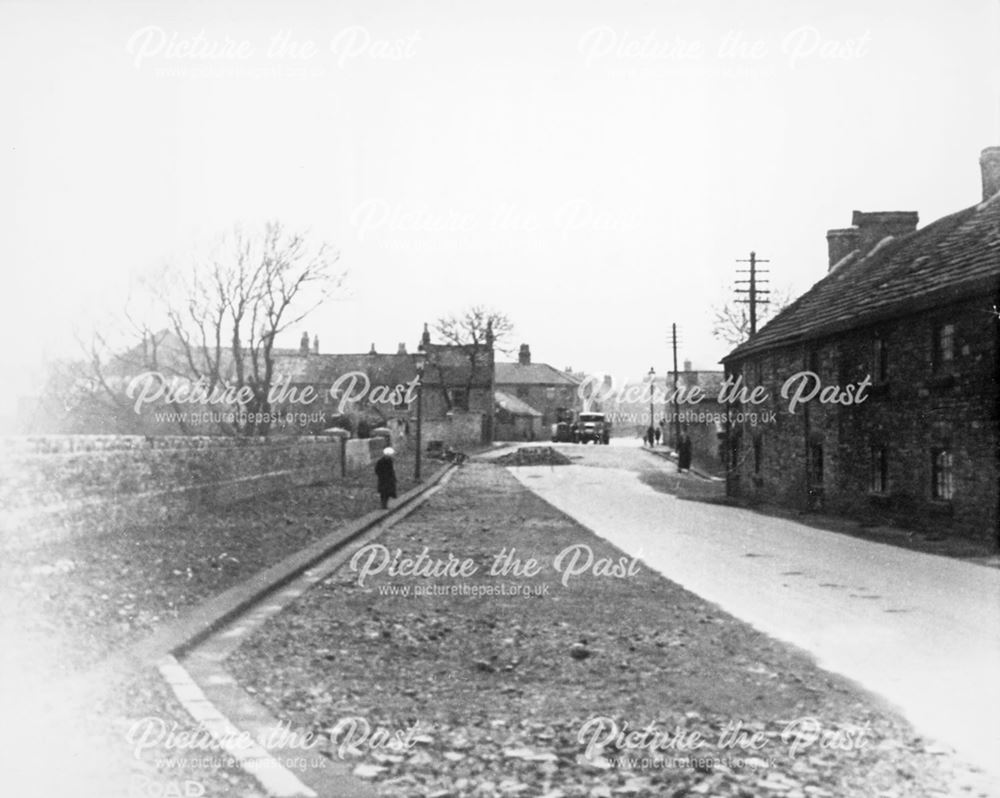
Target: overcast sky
<point x="593" y="169"/>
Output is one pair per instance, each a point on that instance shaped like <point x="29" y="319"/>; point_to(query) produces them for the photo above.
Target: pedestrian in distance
<point x="385" y="473"/>
<point x="649" y="436"/>
<point x="656" y="434"/>
<point x="684" y="452"/>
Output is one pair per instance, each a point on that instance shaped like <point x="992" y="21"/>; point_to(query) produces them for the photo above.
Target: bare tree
<point x="215" y="324"/>
<point x="731" y="321"/>
<point x="476" y="330"/>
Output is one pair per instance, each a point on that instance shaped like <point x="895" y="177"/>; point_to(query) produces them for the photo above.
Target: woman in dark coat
<point x="385" y="471"/>
<point x="684" y="453"/>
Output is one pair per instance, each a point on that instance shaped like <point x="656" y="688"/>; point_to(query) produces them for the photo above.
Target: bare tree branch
<point x="471" y="330"/>
<point x="222" y="317"/>
<point x="731" y="321"/>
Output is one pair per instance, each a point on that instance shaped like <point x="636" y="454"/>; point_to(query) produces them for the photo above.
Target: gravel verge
<point x="496" y="695"/>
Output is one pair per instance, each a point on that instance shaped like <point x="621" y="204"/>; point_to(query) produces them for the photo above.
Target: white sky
<point x="591" y="168"/>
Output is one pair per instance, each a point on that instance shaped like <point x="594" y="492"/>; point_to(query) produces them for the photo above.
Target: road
<point x="921" y="630"/>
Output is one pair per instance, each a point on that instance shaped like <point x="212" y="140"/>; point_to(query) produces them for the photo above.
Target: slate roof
<point x="531" y="374"/>
<point x="515" y="406"/>
<point x="954" y="258"/>
<point x="324" y="369"/>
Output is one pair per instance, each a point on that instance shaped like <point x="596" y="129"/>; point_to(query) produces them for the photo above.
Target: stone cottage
<point x="909" y="319"/>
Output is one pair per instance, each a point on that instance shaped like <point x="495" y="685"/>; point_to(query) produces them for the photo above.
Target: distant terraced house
<point x="914" y="312"/>
<point x="531" y="397"/>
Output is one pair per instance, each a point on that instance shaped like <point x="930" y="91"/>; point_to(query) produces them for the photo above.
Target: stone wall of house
<point x="704" y="423"/>
<point x="914" y="411"/>
<point x="52" y="486"/>
<point x="522" y="428"/>
<point x="456" y="430"/>
<point x="546" y="399"/>
<point x="435" y="407"/>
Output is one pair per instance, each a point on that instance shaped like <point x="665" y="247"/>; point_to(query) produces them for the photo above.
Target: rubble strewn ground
<point x="71" y="602"/>
<point x="66" y="605"/>
<point x="491" y="694"/>
<point x="531" y="456"/>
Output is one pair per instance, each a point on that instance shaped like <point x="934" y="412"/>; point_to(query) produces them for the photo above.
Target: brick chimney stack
<point x="304" y="344"/>
<point x="869" y="229"/>
<point x="840" y="243"/>
<point x="401" y="350"/>
<point x="876" y="225"/>
<point x="524" y="355"/>
<point x="989" y="162"/>
<point x="315" y="344"/>
<point x="687" y="365"/>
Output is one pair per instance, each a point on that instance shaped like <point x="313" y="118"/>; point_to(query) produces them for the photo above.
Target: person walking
<point x="684" y="452"/>
<point x="656" y="434"/>
<point x="385" y="473"/>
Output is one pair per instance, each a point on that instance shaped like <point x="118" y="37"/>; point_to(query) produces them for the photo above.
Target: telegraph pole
<point x="652" y="421"/>
<point x="490" y="344"/>
<point x="677" y="418"/>
<point x="753" y="292"/>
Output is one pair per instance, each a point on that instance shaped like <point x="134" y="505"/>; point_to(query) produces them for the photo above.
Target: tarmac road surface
<point x="921" y="630"/>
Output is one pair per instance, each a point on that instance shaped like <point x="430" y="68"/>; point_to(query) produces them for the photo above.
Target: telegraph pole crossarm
<point x="753" y="293"/>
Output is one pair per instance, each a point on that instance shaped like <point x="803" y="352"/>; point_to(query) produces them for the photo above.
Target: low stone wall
<point x="359" y="454"/>
<point x="51" y="486"/>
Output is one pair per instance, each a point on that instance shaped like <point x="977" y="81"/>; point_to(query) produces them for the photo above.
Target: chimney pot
<point x="989" y="162"/>
<point x="402" y="349"/>
<point x="315" y="344"/>
<point x="304" y="344"/>
<point x="372" y="350"/>
<point x="524" y="355"/>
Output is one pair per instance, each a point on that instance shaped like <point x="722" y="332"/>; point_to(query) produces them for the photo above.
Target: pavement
<point x="920" y="630"/>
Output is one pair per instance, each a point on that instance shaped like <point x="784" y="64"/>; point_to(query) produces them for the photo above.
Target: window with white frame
<point x="942" y="474"/>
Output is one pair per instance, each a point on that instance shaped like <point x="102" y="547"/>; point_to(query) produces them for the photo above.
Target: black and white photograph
<point x="478" y="399"/>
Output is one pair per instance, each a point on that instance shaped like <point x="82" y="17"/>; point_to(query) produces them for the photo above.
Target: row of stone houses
<point x="464" y="391"/>
<point x="913" y="313"/>
<point x="457" y="384"/>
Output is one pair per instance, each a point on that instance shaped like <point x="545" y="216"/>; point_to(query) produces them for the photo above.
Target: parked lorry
<point x="593" y="427"/>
